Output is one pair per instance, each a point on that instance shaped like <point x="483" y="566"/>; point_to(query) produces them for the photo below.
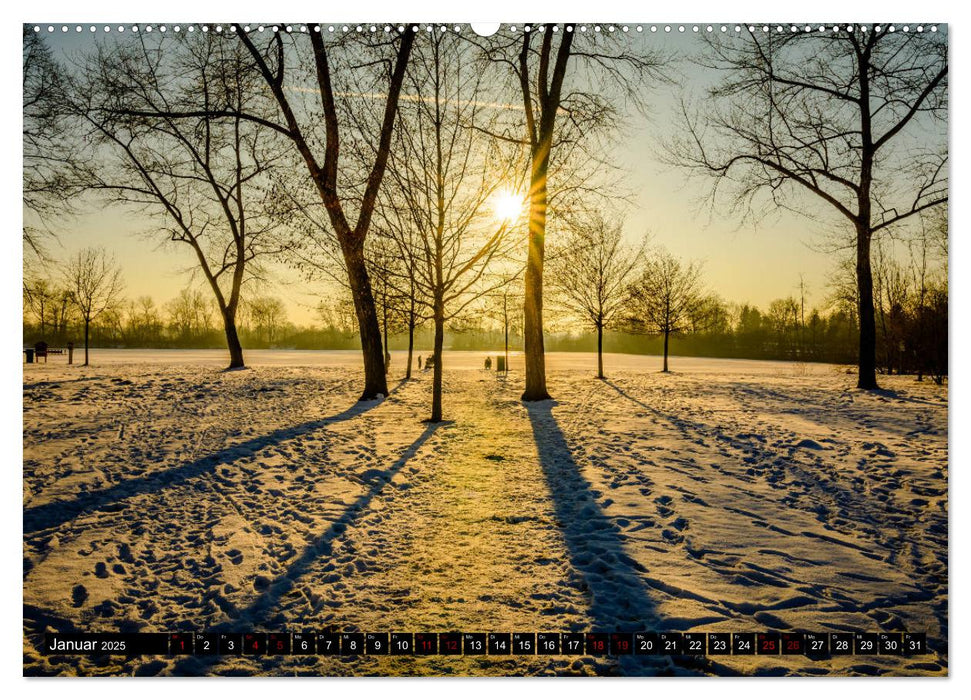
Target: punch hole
<point x="485" y="29"/>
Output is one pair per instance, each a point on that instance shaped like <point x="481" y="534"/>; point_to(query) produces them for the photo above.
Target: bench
<point x="42" y="349"/>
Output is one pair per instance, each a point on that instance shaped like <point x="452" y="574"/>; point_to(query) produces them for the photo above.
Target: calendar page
<point x="449" y="349"/>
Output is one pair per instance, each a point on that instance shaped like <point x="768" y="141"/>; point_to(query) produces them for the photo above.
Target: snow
<point x="454" y="360"/>
<point x="161" y="494"/>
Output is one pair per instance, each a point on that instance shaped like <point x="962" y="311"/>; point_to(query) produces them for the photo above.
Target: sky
<point x="742" y="262"/>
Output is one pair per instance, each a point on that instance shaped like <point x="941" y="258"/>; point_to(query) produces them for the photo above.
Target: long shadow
<point x="256" y="613"/>
<point x="59" y="512"/>
<point x="691" y="429"/>
<point x="620" y="600"/>
<point x="717" y="433"/>
<point x="819" y="408"/>
<point x="57" y="382"/>
<point x="822" y="398"/>
<point x="765" y="457"/>
<point x="897" y="396"/>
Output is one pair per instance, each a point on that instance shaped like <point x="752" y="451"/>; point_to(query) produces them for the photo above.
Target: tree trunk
<point x="600" y="352"/>
<point x="868" y="331"/>
<point x="411" y="343"/>
<point x="437" y="354"/>
<point x="375" y="382"/>
<point x="666" y="334"/>
<point x="505" y="326"/>
<point x="232" y="340"/>
<point x="411" y="330"/>
<point x="87" y="329"/>
<point x="864" y="275"/>
<point x="384" y="329"/>
<point x="533" y="347"/>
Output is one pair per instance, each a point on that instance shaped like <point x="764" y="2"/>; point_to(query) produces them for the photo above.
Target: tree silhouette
<point x="320" y="152"/>
<point x="94" y="280"/>
<point x="853" y="118"/>
<point x="591" y="271"/>
<point x="444" y="175"/>
<point x="270" y="63"/>
<point x="51" y="159"/>
<point x="205" y="179"/>
<point x="570" y="85"/>
<point x="665" y="298"/>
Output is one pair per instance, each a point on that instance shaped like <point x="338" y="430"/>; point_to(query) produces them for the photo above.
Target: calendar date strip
<point x="815" y="645"/>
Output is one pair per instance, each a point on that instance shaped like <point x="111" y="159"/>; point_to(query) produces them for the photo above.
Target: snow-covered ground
<point x="726" y="496"/>
<point x="460" y="359"/>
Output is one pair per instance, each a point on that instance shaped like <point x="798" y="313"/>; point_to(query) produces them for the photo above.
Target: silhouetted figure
<point x="488" y="363"/>
<point x="419" y="362"/>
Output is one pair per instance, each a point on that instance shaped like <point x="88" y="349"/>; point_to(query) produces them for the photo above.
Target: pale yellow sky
<point x="741" y="263"/>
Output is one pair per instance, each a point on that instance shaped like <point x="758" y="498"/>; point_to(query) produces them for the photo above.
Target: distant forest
<point x="911" y="323"/>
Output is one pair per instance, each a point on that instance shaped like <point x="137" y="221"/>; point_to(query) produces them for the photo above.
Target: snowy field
<point x="351" y="359"/>
<point x="161" y="494"/>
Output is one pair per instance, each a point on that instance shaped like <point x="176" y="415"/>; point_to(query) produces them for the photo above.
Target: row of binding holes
<point x="302" y="28"/>
<point x="738" y="28"/>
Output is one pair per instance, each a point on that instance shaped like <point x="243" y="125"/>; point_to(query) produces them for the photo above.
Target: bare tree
<point x="449" y="201"/>
<point x="95" y="283"/>
<point x="853" y="118"/>
<point x="338" y="315"/>
<point x="783" y="320"/>
<point x="392" y="267"/>
<point x="412" y="313"/>
<point x="189" y="314"/>
<point x="928" y="264"/>
<point x="320" y="152"/>
<point x="206" y="180"/>
<point x="665" y="299"/>
<point x="541" y="105"/>
<point x="505" y="306"/>
<point x="50" y="154"/>
<point x="39" y="299"/>
<point x="270" y="63"/>
<point x="570" y="89"/>
<point x="891" y="291"/>
<point x="399" y="266"/>
<point x="591" y="271"/>
<point x="267" y="317"/>
<point x="143" y="323"/>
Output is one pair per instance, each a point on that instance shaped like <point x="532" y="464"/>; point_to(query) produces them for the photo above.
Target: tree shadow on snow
<point x="59" y="512"/>
<point x="620" y="601"/>
<point x="259" y="612"/>
<point x="56" y="383"/>
<point x="894" y="395"/>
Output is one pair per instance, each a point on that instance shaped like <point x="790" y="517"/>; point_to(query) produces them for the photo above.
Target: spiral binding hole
<point x="607" y="29"/>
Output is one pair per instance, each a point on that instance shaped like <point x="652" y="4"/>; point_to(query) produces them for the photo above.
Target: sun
<point x="507" y="206"/>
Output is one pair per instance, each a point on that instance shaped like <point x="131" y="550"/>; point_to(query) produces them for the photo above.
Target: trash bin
<point x="29" y="352"/>
<point x="500" y="363"/>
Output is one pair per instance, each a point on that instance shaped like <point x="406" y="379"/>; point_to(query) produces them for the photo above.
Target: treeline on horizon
<point x="912" y="330"/>
<point x="435" y="179"/>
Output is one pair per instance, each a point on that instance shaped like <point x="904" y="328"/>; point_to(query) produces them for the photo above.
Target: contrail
<point x="415" y="98"/>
